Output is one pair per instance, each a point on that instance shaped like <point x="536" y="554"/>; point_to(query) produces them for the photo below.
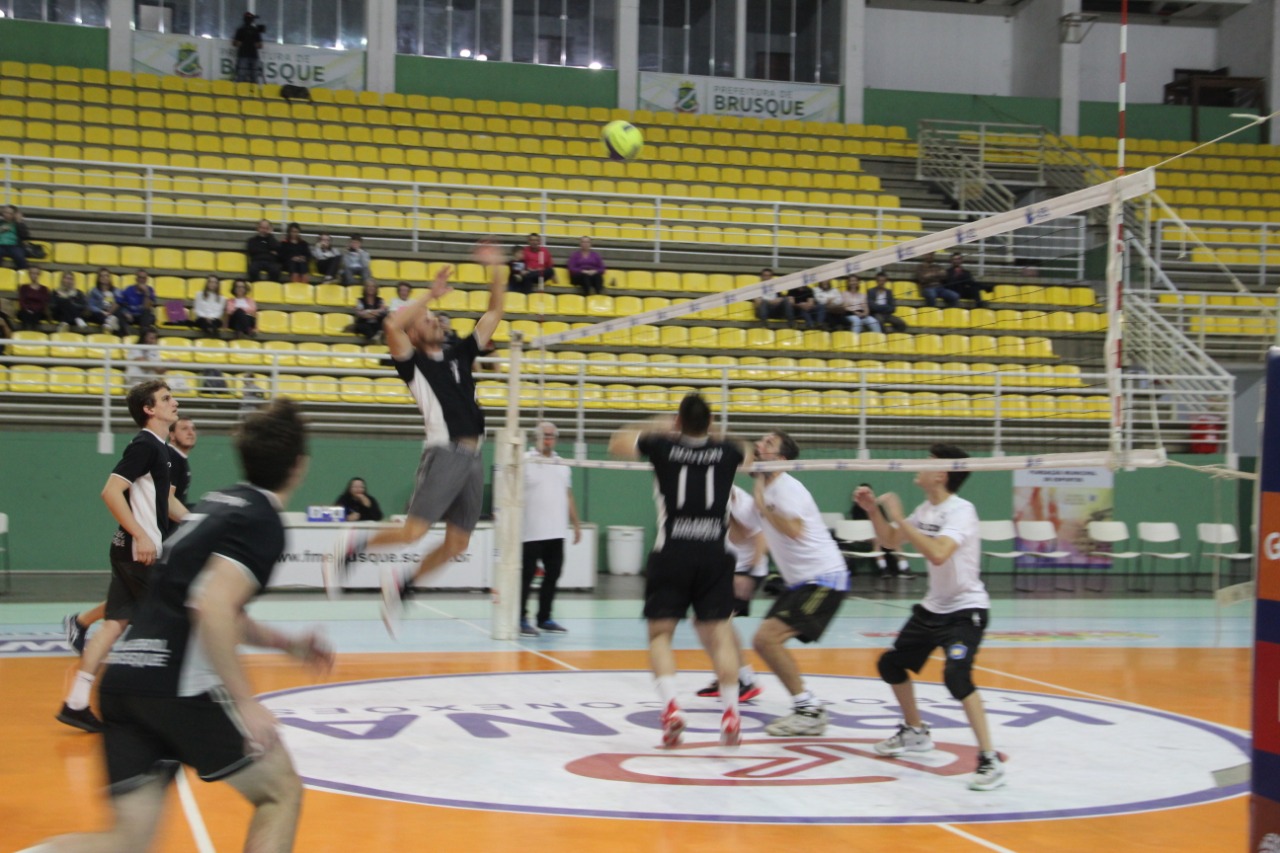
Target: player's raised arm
<point x="487" y="255"/>
<point x="395" y="327"/>
<point x="622" y="443"/>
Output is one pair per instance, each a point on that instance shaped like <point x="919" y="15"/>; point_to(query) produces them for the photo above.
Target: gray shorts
<point x="450" y="487"/>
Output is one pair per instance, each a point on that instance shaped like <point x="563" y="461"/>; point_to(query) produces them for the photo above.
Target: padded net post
<point x="509" y="503"/>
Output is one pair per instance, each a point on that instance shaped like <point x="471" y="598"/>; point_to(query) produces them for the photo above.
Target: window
<point x="318" y="23"/>
<point x="794" y="40"/>
<point x="687" y="36"/>
<point x="461" y="28"/>
<point x="564" y="32"/>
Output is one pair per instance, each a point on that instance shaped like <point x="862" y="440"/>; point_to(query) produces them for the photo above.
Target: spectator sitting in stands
<point x="962" y="283"/>
<point x="68" y="305"/>
<point x="882" y="305"/>
<point x="539" y="268"/>
<point x="515" y="270"/>
<point x="328" y="258"/>
<point x="370" y="312"/>
<point x="210" y="307"/>
<point x="242" y="311"/>
<point x="137" y="303"/>
<point x="832" y="302"/>
<point x="143" y="364"/>
<point x="294" y="254"/>
<point x="807" y="307"/>
<point x="778" y="307"/>
<point x="33" y="300"/>
<point x="586" y="269"/>
<point x="102" y="302"/>
<point x="856" y="311"/>
<point x="404" y="295"/>
<point x="13" y="236"/>
<point x="929" y="279"/>
<point x="6" y="324"/>
<point x="358" y="503"/>
<point x="355" y="262"/>
<point x="263" y="252"/>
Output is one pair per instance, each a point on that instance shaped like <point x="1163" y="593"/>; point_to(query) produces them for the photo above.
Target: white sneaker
<point x="81" y="324"/>
<point x="672" y="725"/>
<point x="800" y="722"/>
<point x="392" y="603"/>
<point x="906" y="739"/>
<point x="336" y="565"/>
<point x="990" y="774"/>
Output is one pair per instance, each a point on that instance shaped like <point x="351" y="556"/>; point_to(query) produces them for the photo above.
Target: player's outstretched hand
<point x="487" y="254"/>
<point x="440" y="286"/>
<point x="864" y="497"/>
<point x="313" y="649"/>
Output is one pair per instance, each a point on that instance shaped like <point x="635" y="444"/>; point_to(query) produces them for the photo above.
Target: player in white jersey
<point x="814" y="571"/>
<point x="953" y="615"/>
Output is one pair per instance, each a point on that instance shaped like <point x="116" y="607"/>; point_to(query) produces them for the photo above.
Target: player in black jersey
<point x="690" y="565"/>
<point x="175" y="691"/>
<point x="140" y="498"/>
<point x="450" y="482"/>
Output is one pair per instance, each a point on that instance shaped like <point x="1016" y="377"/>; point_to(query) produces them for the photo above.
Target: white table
<point x="307" y="543"/>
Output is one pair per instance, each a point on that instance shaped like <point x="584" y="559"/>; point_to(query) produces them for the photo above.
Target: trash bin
<point x="626" y="550"/>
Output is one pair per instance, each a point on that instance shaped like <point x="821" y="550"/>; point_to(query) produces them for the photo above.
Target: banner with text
<point x="1264" y="806"/>
<point x="726" y="96"/>
<point x="167" y="54"/>
<point x="1070" y="498"/>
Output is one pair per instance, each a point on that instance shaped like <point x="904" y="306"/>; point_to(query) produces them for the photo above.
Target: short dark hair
<point x="270" y="442"/>
<point x="787" y="447"/>
<point x="695" y="415"/>
<point x="955" y="479"/>
<point x="142" y="396"/>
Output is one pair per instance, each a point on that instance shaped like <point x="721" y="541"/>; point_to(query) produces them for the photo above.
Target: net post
<point x="1264" y="802"/>
<point x="1115" y="321"/>
<point x="509" y="495"/>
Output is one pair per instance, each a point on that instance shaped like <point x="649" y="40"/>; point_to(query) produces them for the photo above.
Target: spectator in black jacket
<point x="295" y="254"/>
<point x="962" y="283"/>
<point x="14" y="236"/>
<point x="263" y="252"/>
<point x="882" y="305"/>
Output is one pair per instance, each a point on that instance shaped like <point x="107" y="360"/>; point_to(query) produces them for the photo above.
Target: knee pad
<point x="890" y="670"/>
<point x="959" y="679"/>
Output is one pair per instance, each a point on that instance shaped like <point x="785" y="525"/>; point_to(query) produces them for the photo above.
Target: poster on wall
<point x="167" y="54"/>
<point x="723" y="96"/>
<point x="1070" y="498"/>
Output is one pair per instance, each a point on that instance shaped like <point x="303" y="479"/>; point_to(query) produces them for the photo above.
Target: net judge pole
<point x="509" y="491"/>
<point x="1115" y="260"/>
<point x="1264" y="804"/>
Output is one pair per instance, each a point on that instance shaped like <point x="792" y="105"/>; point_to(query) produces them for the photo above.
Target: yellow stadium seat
<point x="313" y="354"/>
<point x="304" y="323"/>
<point x="210" y="351"/>
<point x="297" y="293"/>
<point x="273" y="322"/>
<point x="30" y="345"/>
<point x="28" y="379"/>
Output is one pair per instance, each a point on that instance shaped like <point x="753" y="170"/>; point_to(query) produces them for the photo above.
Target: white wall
<point x="938" y="52"/>
<point x="1244" y="41"/>
<point x="1154" y="51"/>
<point x="1037" y="71"/>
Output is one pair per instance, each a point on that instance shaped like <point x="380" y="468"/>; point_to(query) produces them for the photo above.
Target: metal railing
<point x="1219" y="251"/>
<point x="855" y="408"/>
<point x="954" y="155"/>
<point x="156" y="203"/>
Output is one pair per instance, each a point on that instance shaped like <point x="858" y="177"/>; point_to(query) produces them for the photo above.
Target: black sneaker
<point x="552" y="627"/>
<point x="75" y="632"/>
<point x="746" y="692"/>
<point x="84" y="719"/>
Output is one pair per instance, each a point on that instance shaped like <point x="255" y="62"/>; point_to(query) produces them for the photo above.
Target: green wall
<point x="50" y="485"/>
<point x="1160" y="121"/>
<point x="54" y="44"/>
<point x="506" y="81"/>
<point x="906" y="108"/>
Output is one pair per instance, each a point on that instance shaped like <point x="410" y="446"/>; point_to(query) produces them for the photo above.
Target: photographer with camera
<point x="247" y="42"/>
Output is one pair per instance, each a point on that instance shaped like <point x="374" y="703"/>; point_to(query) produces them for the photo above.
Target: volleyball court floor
<point x="1117" y="718"/>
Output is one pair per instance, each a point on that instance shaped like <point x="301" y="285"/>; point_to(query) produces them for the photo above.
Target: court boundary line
<point x="990" y="845"/>
<point x="485" y="631"/>
<point x="195" y="821"/>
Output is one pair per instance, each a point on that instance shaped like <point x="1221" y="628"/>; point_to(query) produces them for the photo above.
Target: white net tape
<point x="1123" y="189"/>
<point x="1132" y="459"/>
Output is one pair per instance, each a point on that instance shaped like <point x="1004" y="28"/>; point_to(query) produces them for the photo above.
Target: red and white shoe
<point x="730" y="728"/>
<point x="672" y="725"/>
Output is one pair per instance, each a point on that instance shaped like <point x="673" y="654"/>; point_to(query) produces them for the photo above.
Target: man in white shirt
<point x="549" y="509"/>
<point x="814" y="571"/>
<point x="953" y="615"/>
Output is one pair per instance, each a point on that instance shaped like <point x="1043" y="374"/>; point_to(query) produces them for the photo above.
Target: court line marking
<point x="990" y="845"/>
<point x="199" y="832"/>
<point x="485" y="631"/>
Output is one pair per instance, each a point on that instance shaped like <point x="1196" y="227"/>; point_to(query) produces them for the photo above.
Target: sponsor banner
<point x="726" y="96"/>
<point x="167" y="54"/>
<point x="1266" y="691"/>
<point x="1269" y="548"/>
<point x="591" y="739"/>
<point x="1070" y="498"/>
<point x="1264" y="805"/>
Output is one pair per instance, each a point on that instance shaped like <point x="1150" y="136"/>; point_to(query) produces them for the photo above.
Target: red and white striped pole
<point x="1115" y="265"/>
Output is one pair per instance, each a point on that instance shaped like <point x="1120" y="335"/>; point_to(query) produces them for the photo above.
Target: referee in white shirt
<point x="549" y="509"/>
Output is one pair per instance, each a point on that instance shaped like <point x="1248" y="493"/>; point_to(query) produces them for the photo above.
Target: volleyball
<point x="623" y="139"/>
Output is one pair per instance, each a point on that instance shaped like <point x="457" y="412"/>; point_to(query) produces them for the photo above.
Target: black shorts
<point x="958" y="634"/>
<point x="676" y="579"/>
<point x="807" y="610"/>
<point x="129" y="581"/>
<point x="742" y="606"/>
<point x="146" y="738"/>
<point x="449" y="486"/>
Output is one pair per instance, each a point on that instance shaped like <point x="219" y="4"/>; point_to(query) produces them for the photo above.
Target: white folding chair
<point x="832" y="521"/>
<point x="1041" y="537"/>
<point x="859" y="530"/>
<point x="1222" y="538"/>
<point x="1001" y="530"/>
<point x="1114" y="534"/>
<point x="1164" y="533"/>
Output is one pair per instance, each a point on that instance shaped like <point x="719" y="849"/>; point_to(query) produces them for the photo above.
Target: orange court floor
<point x="512" y="758"/>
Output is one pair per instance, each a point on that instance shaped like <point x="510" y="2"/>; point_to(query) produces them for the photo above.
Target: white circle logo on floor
<point x="585" y="743"/>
